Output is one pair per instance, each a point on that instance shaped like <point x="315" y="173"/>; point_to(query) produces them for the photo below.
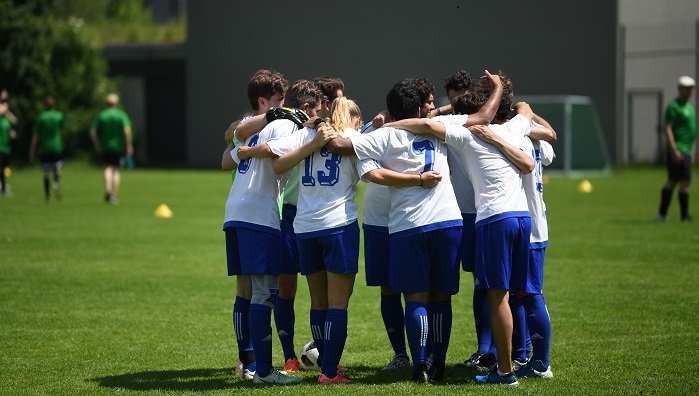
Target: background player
<point x="47" y="137"/>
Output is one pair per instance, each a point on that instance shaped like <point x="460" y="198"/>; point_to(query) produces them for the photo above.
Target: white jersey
<point x="377" y="197"/>
<point x="413" y="209"/>
<point x="463" y="188"/>
<point x="253" y="201"/>
<point x="327" y="185"/>
<point x="542" y="153"/>
<point x="497" y="182"/>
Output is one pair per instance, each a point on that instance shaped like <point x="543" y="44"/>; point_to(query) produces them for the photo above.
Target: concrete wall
<point x="660" y="45"/>
<point x="545" y="46"/>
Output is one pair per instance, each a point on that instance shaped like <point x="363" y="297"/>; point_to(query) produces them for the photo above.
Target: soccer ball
<point x="309" y="357"/>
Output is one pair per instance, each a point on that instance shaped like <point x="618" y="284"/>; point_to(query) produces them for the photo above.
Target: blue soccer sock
<point x="481" y="317"/>
<point x="318" y="330"/>
<point x="241" y="326"/>
<point x="416" y="329"/>
<point x="285" y="319"/>
<point x="519" y="330"/>
<point x="440" y="328"/>
<point x="335" y="337"/>
<point x="539" y="323"/>
<point x="394" y="321"/>
<point x="261" y="336"/>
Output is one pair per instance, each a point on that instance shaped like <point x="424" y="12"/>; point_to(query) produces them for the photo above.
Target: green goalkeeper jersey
<point x="5" y="127"/>
<point x="681" y="116"/>
<point x="48" y="126"/>
<point x="109" y="126"/>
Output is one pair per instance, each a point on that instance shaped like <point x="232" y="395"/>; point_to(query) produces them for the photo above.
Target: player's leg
<point x="264" y="290"/>
<point x="520" y="333"/>
<point x="241" y="306"/>
<point x="46" y="172"/>
<point x="313" y="267"/>
<point x="376" y="266"/>
<point x="410" y="274"/>
<point x="342" y="262"/>
<point x="673" y="173"/>
<point x="56" y="185"/>
<point x="444" y="282"/>
<point x="4" y="162"/>
<point x="284" y="315"/>
<point x="683" y="193"/>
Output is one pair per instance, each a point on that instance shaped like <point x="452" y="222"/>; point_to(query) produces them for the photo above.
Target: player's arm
<point x="421" y="126"/>
<point x="228" y="162"/>
<point x="672" y="146"/>
<point x="228" y="136"/>
<point x="387" y="177"/>
<point x="95" y="140"/>
<point x="540" y="120"/>
<point x="290" y="159"/>
<point x="487" y="112"/>
<point x="519" y="158"/>
<point x="250" y="127"/>
<point x="441" y="110"/>
<point x="380" y="119"/>
<point x="129" y="140"/>
<point x="261" y="150"/>
<point x="32" y="146"/>
<point x="339" y="145"/>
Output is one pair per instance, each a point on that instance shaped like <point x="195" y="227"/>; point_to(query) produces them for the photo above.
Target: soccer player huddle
<point x="459" y="186"/>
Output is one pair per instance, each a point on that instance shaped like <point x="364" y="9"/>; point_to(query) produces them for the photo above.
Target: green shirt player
<point x="46" y="136"/>
<point x="680" y="131"/>
<point x="7" y="133"/>
<point x="111" y="136"/>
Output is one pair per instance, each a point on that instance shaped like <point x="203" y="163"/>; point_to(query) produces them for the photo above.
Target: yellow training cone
<point x="585" y="186"/>
<point x="163" y="212"/>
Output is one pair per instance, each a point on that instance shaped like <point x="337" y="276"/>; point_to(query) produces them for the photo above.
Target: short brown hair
<point x="329" y="86"/>
<point x="303" y="91"/>
<point x="265" y="83"/>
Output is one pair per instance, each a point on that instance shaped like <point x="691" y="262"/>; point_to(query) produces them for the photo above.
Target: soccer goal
<point x="580" y="148"/>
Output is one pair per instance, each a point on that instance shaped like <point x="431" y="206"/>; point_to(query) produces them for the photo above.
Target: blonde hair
<point x="341" y="113"/>
<point x="112" y="99"/>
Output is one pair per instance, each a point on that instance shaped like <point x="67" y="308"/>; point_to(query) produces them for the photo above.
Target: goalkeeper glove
<point x="298" y="116"/>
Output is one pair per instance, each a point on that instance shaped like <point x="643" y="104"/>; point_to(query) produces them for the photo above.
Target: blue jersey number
<point x="538" y="170"/>
<point x="244" y="166"/>
<point x="428" y="148"/>
<point x="329" y="178"/>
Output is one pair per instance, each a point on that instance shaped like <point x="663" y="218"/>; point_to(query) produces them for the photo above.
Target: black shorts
<point x="4" y="160"/>
<point x="681" y="171"/>
<point x="50" y="158"/>
<point x="113" y="159"/>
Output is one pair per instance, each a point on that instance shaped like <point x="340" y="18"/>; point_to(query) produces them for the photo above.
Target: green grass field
<point x="97" y="299"/>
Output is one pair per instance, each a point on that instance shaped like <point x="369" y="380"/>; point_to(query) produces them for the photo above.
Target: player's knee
<point x="264" y="290"/>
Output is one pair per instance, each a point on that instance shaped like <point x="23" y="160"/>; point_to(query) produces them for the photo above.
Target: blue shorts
<point x="427" y="261"/>
<point x="468" y="242"/>
<point x="535" y="274"/>
<point x="290" y="252"/>
<point x="337" y="251"/>
<point x="376" y="254"/>
<point x="251" y="251"/>
<point x="502" y="254"/>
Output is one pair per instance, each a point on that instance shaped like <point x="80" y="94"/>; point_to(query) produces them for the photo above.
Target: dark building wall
<point x="545" y="46"/>
<point x="161" y="69"/>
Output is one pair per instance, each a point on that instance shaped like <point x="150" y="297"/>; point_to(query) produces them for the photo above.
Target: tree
<point x="41" y="55"/>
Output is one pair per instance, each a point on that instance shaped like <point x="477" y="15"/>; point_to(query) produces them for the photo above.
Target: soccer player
<point x="266" y="88"/>
<point x="424" y="225"/>
<point x="503" y="224"/>
<point x="252" y="221"/>
<point x="7" y="133"/>
<point x="111" y="136"/>
<point x="680" y="132"/>
<point x="47" y="135"/>
<point x="284" y="316"/>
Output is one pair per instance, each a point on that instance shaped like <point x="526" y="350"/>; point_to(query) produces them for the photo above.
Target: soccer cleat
<point x="428" y="361"/>
<point x="485" y="362"/>
<point x="292" y="365"/>
<point x="436" y="371"/>
<point x="662" y="218"/>
<point x="399" y="361"/>
<point x="687" y="219"/>
<point x="420" y="374"/>
<point x="276" y="377"/>
<point x="534" y="369"/>
<point x="519" y="363"/>
<point x="338" y="379"/>
<point x="472" y="361"/>
<point x="492" y="377"/>
<point x="247" y="375"/>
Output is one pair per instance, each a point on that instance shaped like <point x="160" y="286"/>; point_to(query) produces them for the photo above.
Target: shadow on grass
<point x="189" y="379"/>
<point x="223" y="378"/>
